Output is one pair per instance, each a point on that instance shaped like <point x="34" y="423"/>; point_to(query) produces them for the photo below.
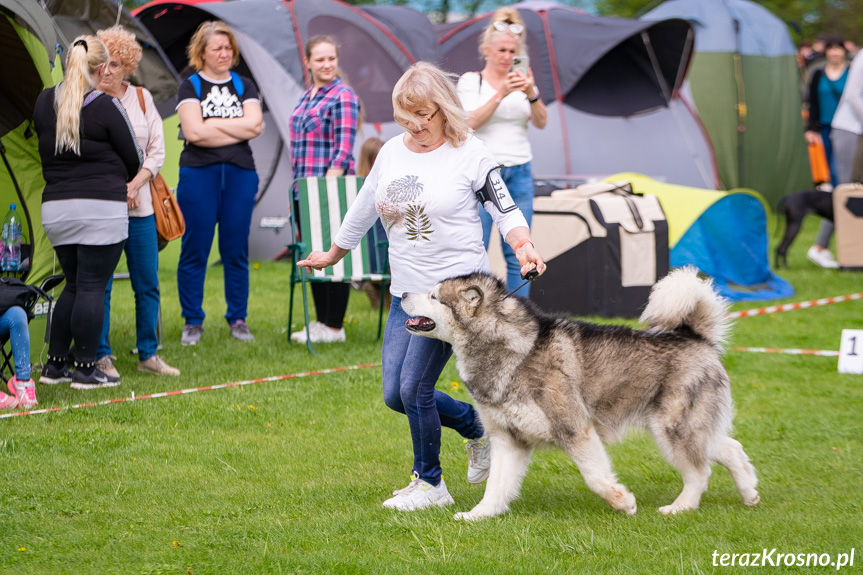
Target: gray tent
<point x="612" y="87"/>
<point x="271" y="34"/>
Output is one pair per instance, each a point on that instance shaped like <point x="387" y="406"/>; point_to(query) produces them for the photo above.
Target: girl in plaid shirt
<point x="323" y="128"/>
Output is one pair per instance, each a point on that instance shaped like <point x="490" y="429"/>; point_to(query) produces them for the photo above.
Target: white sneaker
<point x="300" y="336"/>
<point x="419" y="494"/>
<point x="822" y="258"/>
<point x="479" y="459"/>
<point x="319" y="333"/>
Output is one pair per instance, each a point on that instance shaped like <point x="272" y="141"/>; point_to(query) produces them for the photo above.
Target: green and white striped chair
<point x="323" y="203"/>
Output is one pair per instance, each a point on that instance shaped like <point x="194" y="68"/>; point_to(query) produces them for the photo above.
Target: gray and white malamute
<point x="539" y="381"/>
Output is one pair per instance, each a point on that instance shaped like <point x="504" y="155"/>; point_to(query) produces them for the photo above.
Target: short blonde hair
<point x="425" y="84"/>
<point x="202" y="35"/>
<point x="507" y="15"/>
<point x="122" y="47"/>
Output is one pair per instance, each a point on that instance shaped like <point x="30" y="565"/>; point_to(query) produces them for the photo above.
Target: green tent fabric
<point x="27" y="43"/>
<point x="745" y="84"/>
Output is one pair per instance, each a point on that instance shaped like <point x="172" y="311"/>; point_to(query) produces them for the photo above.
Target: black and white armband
<point x="496" y="192"/>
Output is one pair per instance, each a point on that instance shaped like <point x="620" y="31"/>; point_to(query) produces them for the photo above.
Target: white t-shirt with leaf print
<point x="428" y="206"/>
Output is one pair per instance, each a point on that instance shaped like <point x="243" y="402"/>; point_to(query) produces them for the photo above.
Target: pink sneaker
<point x="8" y="401"/>
<point x="25" y="391"/>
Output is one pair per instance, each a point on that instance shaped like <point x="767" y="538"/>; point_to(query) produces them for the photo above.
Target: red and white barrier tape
<point x="793" y="306"/>
<point x="822" y="352"/>
<point x="133" y="397"/>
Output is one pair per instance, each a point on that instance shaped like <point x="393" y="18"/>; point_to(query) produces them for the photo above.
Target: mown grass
<point x="288" y="476"/>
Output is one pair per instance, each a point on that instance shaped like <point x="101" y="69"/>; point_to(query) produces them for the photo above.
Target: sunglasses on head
<point x="503" y="26"/>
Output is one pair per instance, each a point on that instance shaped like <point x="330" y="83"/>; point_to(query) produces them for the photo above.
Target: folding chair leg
<point x="306" y="316"/>
<point x="381" y="311"/>
<point x="291" y="308"/>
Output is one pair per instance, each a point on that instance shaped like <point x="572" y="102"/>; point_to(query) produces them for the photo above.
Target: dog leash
<point x="529" y="277"/>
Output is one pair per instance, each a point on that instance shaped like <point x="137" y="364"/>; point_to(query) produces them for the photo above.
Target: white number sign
<point x="851" y="351"/>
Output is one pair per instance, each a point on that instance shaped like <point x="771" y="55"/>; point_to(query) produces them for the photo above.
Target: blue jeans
<point x="142" y="258"/>
<point x="222" y="194"/>
<point x="519" y="181"/>
<point x="411" y="367"/>
<point x="13" y="323"/>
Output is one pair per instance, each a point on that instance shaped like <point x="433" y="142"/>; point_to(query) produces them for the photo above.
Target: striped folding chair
<point x="323" y="203"/>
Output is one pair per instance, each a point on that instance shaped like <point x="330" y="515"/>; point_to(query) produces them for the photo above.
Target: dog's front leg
<point x="509" y="461"/>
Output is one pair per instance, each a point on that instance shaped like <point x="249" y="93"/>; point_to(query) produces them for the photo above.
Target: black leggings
<point x="80" y="309"/>
<point x="331" y="303"/>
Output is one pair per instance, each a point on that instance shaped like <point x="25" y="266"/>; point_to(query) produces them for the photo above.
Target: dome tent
<point x="745" y="84"/>
<point x="612" y="88"/>
<point x="30" y="65"/>
<point x="271" y="34"/>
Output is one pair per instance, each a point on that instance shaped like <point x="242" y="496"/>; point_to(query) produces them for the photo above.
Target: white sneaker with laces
<point x="419" y="494"/>
<point x="479" y="459"/>
<point x="319" y="333"/>
<point x="822" y="258"/>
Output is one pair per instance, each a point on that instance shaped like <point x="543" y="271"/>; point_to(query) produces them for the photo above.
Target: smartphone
<point x="521" y="64"/>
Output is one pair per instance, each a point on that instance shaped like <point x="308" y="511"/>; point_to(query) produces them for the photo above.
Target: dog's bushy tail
<point x="681" y="298"/>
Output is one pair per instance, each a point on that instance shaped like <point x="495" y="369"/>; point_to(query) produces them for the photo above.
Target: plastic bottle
<point x="10" y="255"/>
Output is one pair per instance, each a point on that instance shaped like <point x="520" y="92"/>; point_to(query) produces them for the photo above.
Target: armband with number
<point x="496" y="192"/>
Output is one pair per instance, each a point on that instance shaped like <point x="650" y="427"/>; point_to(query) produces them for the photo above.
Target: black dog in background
<point x="795" y="207"/>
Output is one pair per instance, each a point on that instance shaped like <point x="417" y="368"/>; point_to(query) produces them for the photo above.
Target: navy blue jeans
<point x="519" y="181"/>
<point x="411" y="367"/>
<point x="222" y="194"/>
<point x="142" y="259"/>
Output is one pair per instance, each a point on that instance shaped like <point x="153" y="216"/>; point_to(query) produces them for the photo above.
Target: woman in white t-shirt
<point x="501" y="102"/>
<point x="423" y="187"/>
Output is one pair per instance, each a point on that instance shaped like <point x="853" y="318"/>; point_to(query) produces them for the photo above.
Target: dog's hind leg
<point x="730" y="455"/>
<point x="693" y="467"/>
<point x="509" y="461"/>
<point x="589" y="454"/>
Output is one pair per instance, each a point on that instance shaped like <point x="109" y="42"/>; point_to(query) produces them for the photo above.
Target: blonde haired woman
<point x="142" y="245"/>
<point x="219" y="113"/>
<point x="88" y="153"/>
<point x="502" y="102"/>
<point x="407" y="176"/>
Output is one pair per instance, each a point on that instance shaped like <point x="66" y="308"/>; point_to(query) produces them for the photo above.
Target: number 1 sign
<point x="851" y="351"/>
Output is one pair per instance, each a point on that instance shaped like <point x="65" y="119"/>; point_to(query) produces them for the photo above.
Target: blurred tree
<point x="806" y="18"/>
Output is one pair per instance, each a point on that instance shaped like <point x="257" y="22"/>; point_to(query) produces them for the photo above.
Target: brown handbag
<point x="170" y="224"/>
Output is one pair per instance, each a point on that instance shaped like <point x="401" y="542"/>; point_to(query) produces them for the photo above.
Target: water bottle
<point x="10" y="255"/>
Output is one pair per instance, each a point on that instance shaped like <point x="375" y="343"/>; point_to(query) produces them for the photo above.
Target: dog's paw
<point x="752" y="500"/>
<point x="675" y="508"/>
<point x="466" y="516"/>
<point x="624" y="501"/>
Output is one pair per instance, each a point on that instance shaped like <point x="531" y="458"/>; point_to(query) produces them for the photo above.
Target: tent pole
<point x="663" y="85"/>
<point x="741" y="104"/>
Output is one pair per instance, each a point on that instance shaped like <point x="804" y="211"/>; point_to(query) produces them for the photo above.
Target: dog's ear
<point x="472" y="297"/>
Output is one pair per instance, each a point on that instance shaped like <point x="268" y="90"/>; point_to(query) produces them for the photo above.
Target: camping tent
<point x="723" y="234"/>
<point x="271" y="34"/>
<point x="29" y="52"/>
<point x="612" y="88"/>
<point x="745" y="84"/>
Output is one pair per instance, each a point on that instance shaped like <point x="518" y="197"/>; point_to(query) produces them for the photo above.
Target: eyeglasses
<point x="420" y="118"/>
<point x="504" y="25"/>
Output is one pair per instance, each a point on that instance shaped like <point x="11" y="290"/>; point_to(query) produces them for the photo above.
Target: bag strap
<point x="141" y="99"/>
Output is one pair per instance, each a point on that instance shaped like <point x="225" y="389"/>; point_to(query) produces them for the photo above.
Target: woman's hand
<point x="514" y="82"/>
<point x="812" y="137"/>
<point x="320" y="260"/>
<point x="530" y="259"/>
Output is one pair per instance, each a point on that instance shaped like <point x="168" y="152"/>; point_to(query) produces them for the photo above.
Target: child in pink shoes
<point x="13" y="322"/>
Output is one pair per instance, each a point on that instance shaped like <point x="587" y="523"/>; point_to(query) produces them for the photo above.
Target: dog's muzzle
<point x="419" y="323"/>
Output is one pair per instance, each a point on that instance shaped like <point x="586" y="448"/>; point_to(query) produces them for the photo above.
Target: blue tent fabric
<point x="729" y="243"/>
<point x="761" y="33"/>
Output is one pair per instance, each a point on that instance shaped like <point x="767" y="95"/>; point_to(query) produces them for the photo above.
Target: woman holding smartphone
<point x="501" y="102"/>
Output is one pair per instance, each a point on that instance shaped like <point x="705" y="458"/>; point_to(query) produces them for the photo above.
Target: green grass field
<point x="288" y="476"/>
